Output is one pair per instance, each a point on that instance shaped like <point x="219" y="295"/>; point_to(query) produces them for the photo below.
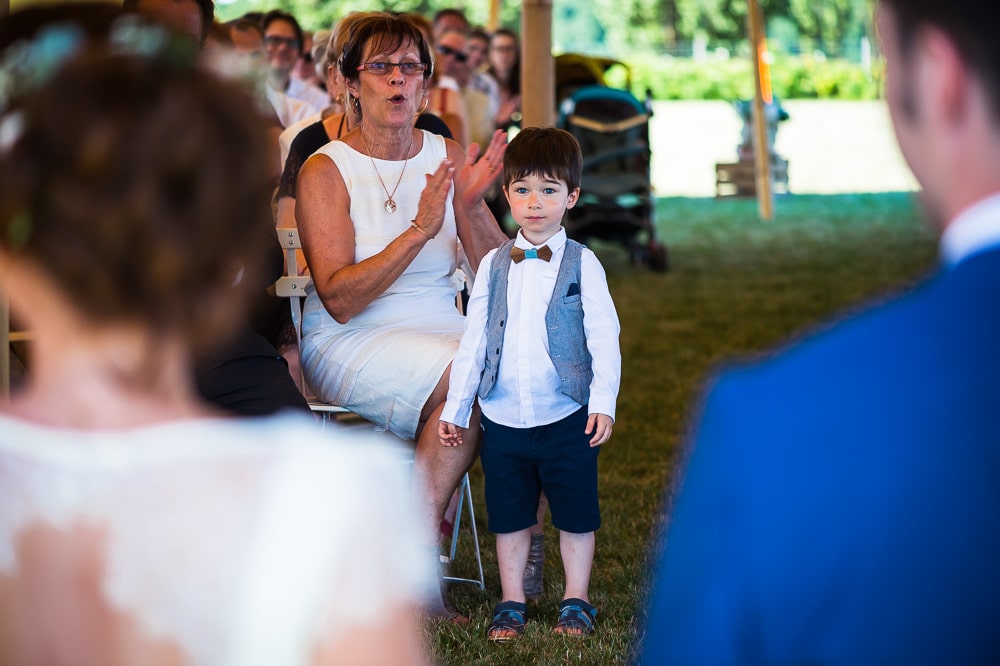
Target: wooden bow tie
<point x="519" y="255"/>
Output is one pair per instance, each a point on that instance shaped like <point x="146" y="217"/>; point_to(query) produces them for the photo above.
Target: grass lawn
<point x="738" y="287"/>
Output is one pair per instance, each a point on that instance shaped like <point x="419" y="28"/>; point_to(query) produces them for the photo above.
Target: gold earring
<point x="424" y="107"/>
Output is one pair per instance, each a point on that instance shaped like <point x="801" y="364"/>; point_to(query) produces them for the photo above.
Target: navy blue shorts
<point x="519" y="463"/>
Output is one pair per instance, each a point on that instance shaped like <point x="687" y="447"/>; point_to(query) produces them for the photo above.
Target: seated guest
<point x="380" y="325"/>
<point x="284" y="42"/>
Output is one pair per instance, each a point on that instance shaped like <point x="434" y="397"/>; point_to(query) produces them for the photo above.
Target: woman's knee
<point x="437" y="398"/>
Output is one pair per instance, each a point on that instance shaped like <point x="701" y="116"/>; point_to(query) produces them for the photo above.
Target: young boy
<point x="540" y="351"/>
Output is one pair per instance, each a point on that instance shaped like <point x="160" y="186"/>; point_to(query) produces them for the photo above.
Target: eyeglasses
<point x="448" y="51"/>
<point x="385" y="68"/>
<point x="274" y="42"/>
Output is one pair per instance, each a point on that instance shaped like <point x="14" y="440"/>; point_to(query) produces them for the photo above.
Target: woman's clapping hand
<point x="430" y="213"/>
<point x="476" y="176"/>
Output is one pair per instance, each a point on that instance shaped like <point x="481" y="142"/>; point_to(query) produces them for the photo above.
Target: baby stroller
<point x="616" y="200"/>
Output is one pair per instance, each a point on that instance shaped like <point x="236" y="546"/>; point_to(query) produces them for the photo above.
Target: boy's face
<point x="538" y="204"/>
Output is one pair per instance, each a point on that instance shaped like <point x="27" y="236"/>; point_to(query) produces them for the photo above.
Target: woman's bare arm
<point x="322" y="208"/>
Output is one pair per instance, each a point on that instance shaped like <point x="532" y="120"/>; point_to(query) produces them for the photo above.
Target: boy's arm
<point x="600" y="323"/>
<point x="467" y="366"/>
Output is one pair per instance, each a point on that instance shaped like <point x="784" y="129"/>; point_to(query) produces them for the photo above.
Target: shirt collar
<point x="555" y="241"/>
<point x="976" y="228"/>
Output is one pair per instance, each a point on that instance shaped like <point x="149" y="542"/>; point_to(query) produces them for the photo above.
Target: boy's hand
<point x="600" y="425"/>
<point x="449" y="434"/>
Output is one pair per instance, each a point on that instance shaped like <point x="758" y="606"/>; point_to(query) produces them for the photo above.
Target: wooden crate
<point x="737" y="178"/>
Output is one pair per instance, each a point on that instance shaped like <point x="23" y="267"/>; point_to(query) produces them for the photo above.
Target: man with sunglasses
<point x="452" y="59"/>
<point x="283" y="40"/>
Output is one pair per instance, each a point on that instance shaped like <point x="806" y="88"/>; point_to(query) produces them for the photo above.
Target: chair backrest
<point x="291" y="285"/>
<point x="7" y="338"/>
<point x="4" y="348"/>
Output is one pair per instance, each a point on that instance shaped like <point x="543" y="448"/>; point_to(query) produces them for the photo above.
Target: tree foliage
<point x="829" y="23"/>
<point x="621" y="27"/>
<point x="716" y="20"/>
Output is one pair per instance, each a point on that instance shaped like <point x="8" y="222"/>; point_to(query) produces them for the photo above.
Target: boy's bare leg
<point x="578" y="557"/>
<point x="512" y="556"/>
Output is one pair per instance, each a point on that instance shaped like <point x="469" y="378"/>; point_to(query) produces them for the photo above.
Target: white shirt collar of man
<point x="976" y="228"/>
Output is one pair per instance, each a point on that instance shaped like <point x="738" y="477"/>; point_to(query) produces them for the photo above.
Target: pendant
<point x="390" y="205"/>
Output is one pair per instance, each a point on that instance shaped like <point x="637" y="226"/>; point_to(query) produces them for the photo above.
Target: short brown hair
<point x="543" y="151"/>
<point x="386" y="32"/>
<point x="971" y="26"/>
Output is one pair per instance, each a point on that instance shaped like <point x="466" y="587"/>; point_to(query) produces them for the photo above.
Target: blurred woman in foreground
<point x="138" y="525"/>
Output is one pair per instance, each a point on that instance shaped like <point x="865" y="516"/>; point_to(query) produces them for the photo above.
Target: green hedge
<point x="792" y="77"/>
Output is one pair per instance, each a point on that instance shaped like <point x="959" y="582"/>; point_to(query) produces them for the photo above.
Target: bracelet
<point x="413" y="223"/>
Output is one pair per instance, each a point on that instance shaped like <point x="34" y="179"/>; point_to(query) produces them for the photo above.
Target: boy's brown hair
<point x="544" y="151"/>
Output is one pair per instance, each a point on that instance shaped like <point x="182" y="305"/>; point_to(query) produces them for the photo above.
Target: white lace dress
<point x="384" y="363"/>
<point x="237" y="541"/>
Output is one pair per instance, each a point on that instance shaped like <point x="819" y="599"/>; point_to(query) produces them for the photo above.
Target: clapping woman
<point x="380" y="212"/>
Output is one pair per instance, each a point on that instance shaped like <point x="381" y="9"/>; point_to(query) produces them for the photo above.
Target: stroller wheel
<point x="657" y="257"/>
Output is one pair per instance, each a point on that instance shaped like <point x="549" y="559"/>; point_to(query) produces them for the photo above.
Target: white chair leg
<point x="465" y="501"/>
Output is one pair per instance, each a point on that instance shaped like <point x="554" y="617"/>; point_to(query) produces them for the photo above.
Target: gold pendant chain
<point x="390" y="203"/>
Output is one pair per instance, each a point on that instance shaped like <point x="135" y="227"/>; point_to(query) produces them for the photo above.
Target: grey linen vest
<point x="563" y="322"/>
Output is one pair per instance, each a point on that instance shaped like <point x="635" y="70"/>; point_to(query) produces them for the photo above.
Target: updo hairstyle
<point x="134" y="182"/>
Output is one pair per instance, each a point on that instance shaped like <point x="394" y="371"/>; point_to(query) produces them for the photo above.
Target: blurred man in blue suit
<point x="841" y="504"/>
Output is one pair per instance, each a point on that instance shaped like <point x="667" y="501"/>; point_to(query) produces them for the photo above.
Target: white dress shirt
<point x="309" y="93"/>
<point x="527" y="391"/>
<point x="289" y="133"/>
<point x="975" y="229"/>
<point x="288" y="109"/>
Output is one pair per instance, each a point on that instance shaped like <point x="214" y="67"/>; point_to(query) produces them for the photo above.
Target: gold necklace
<point x="390" y="204"/>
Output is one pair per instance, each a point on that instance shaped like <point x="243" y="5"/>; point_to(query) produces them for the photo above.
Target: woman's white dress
<point x="384" y="363"/>
<point x="240" y="541"/>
